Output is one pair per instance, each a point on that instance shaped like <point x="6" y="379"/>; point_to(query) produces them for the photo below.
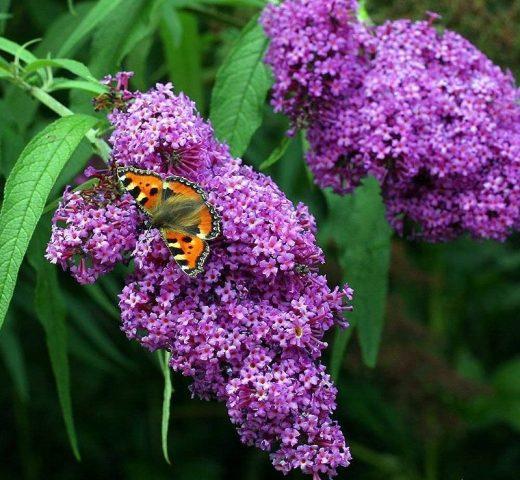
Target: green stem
<point x="47" y="100"/>
<point x="99" y="145"/>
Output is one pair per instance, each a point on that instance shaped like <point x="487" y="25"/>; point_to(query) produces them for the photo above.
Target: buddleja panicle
<point x="426" y="113"/>
<point x="248" y="330"/>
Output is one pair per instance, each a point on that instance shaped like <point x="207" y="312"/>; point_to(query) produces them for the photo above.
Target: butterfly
<point x="179" y="209"/>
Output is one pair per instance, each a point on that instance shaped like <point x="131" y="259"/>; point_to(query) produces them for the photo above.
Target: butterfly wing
<point x="168" y="197"/>
<point x="208" y="222"/>
<point x="189" y="251"/>
<point x="145" y="186"/>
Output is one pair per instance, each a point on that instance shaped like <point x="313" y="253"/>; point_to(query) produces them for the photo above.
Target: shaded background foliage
<point x="443" y="400"/>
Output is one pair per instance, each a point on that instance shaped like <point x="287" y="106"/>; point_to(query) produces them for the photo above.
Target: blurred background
<point x="443" y="401"/>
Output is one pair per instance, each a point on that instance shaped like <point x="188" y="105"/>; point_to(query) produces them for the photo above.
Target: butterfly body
<point x="177" y="213"/>
<point x="179" y="209"/>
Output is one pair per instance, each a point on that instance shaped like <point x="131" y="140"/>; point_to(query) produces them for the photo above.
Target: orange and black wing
<point x="189" y="251"/>
<point x="145" y="186"/>
<point x="209" y="224"/>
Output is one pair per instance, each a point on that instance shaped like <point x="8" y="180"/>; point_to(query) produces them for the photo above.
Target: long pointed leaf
<point x="122" y="32"/>
<point x="341" y="339"/>
<point x="11" y="351"/>
<point x="92" y="19"/>
<point x="26" y="192"/>
<point x="60" y="29"/>
<point x="95" y="292"/>
<point x="66" y="84"/>
<point x="240" y="90"/>
<point x="16" y="50"/>
<point x="276" y="154"/>
<point x="181" y="43"/>
<point x="360" y="228"/>
<point x="50" y="309"/>
<point x="73" y="66"/>
<point x="96" y="335"/>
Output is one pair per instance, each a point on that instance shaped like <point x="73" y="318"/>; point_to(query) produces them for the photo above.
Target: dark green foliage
<point x="359" y="232"/>
<point x="241" y="86"/>
<point x="442" y="400"/>
<point x="50" y="309"/>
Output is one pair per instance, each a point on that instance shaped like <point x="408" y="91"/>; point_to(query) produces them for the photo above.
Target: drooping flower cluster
<point x="430" y="116"/>
<point x="249" y="329"/>
<point x="92" y="231"/>
<point x="313" y="53"/>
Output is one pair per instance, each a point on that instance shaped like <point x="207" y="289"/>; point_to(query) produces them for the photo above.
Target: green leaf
<point x="359" y="229"/>
<point x="503" y="405"/>
<point x="5" y="69"/>
<point x="122" y="31"/>
<point x="50" y="310"/>
<point x="12" y="352"/>
<point x="339" y="346"/>
<point x="240" y="89"/>
<point x="80" y="309"/>
<point x="66" y="84"/>
<point x="138" y="61"/>
<point x="91" y="20"/>
<point x="26" y="192"/>
<point x="362" y="14"/>
<point x="11" y="144"/>
<point x="276" y="154"/>
<point x="506" y="378"/>
<point x="77" y="68"/>
<point x="97" y="295"/>
<point x="60" y="29"/>
<point x="181" y="44"/>
<point x="507" y="385"/>
<point x="83" y="350"/>
<point x="19" y="109"/>
<point x="16" y="50"/>
<point x="164" y="359"/>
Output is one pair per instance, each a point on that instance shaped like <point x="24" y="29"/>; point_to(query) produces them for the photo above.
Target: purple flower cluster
<point x="426" y="113"/>
<point x="92" y="231"/>
<point x="167" y="140"/>
<point x="313" y="53"/>
<point x="249" y="329"/>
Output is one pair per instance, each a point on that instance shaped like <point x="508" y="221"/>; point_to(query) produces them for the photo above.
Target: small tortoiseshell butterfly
<point x="179" y="209"/>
